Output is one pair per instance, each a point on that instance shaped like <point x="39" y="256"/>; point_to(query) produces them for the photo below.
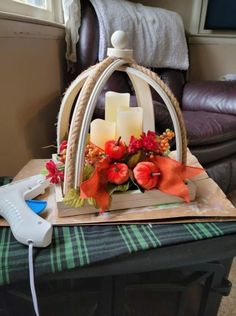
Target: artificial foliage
<point x="142" y="164"/>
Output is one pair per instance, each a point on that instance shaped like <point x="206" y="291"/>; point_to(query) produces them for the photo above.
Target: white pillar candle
<point x="102" y="131"/>
<point x="113" y="101"/>
<point x="129" y="123"/>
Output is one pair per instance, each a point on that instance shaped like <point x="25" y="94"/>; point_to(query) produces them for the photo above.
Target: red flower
<point x="62" y="151"/>
<point x="135" y="144"/>
<point x="54" y="173"/>
<point x="63" y="146"/>
<point x="149" y="141"/>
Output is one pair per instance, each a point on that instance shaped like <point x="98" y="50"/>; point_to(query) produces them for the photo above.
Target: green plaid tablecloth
<point x="79" y="246"/>
<point x="74" y="247"/>
<point x="5" y="180"/>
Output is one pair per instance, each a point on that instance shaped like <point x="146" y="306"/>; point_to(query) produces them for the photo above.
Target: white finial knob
<point x="119" y="39"/>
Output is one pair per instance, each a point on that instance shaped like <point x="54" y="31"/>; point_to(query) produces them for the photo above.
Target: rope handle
<point x="77" y="120"/>
<point x="174" y="102"/>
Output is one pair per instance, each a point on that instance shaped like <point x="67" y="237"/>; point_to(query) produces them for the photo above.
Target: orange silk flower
<point x="95" y="186"/>
<point x="173" y="175"/>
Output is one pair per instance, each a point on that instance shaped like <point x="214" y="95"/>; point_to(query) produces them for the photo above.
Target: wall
<point x="31" y="85"/>
<point x="210" y="56"/>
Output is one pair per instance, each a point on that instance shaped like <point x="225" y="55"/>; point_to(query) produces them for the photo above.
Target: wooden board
<point x="124" y="200"/>
<point x="121" y="201"/>
<point x="210" y="204"/>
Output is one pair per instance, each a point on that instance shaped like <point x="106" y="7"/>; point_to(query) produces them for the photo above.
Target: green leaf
<point x="166" y="153"/>
<point x="73" y="199"/>
<point x="134" y="159"/>
<point x="121" y="188"/>
<point x="92" y="202"/>
<point x="61" y="167"/>
<point x="88" y="170"/>
<point x="44" y="172"/>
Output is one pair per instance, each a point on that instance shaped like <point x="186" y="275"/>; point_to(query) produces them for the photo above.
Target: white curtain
<point x="72" y="18"/>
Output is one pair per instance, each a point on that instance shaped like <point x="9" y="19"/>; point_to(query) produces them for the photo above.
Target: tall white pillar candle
<point x="129" y="123"/>
<point x="113" y="100"/>
<point x="102" y="131"/>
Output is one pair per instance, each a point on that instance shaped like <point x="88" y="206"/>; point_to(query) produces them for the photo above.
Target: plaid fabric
<point x="82" y="245"/>
<point x="5" y="180"/>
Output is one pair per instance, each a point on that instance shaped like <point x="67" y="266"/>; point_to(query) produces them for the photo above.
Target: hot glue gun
<point x="26" y="226"/>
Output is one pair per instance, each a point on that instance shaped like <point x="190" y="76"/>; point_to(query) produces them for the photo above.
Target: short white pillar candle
<point x="102" y="131"/>
<point x="129" y="123"/>
<point x="113" y="100"/>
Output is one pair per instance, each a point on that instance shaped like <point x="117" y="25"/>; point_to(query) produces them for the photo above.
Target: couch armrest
<point x="210" y="96"/>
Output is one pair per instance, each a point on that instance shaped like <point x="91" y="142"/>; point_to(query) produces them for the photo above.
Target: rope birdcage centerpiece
<point x="75" y="192"/>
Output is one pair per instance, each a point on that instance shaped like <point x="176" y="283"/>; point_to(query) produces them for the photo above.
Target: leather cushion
<point x="87" y="46"/>
<point x="209" y="153"/>
<point x="222" y="172"/>
<point x="205" y="128"/>
<point x="162" y="117"/>
<point x="212" y="96"/>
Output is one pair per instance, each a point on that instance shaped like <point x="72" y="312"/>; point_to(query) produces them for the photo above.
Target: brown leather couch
<point x="209" y="107"/>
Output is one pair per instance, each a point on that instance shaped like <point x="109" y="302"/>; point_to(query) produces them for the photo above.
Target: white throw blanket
<point x="156" y="35"/>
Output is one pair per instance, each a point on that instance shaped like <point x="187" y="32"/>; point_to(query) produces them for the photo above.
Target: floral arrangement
<point x="142" y="164"/>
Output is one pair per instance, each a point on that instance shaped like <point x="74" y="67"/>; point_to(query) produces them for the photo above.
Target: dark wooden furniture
<point x="185" y="279"/>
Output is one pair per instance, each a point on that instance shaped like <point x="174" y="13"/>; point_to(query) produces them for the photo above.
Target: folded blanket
<point x="156" y="35"/>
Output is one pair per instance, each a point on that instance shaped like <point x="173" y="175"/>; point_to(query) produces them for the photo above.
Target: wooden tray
<point x="210" y="205"/>
<point x="130" y="199"/>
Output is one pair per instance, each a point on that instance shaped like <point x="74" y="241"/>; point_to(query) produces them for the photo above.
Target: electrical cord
<point x="31" y="276"/>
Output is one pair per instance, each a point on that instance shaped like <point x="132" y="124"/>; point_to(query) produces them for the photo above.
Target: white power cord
<point x="31" y="276"/>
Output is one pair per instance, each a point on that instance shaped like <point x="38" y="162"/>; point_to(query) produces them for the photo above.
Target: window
<point x="48" y="10"/>
<point x="218" y="18"/>
<point x="220" y="15"/>
<point x="37" y="3"/>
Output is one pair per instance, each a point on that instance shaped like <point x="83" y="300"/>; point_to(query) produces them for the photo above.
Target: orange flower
<point x="173" y="176"/>
<point x="95" y="186"/>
